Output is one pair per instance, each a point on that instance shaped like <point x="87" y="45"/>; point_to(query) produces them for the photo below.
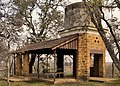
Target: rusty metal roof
<point x="52" y="44"/>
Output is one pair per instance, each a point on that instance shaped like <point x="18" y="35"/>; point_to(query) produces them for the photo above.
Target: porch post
<point x="54" y="63"/>
<point x="74" y="64"/>
<point x="14" y="66"/>
<point x="60" y="63"/>
<point x="47" y="63"/>
<point x="26" y="65"/>
<point x="19" y="65"/>
<point x="38" y="70"/>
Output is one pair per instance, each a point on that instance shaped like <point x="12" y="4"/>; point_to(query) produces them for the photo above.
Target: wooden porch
<point x="43" y="78"/>
<point x="70" y="45"/>
<point x="59" y="80"/>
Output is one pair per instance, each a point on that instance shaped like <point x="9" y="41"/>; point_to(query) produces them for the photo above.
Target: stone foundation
<point x="86" y="43"/>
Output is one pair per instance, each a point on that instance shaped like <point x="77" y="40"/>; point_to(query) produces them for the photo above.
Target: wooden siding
<point x="70" y="45"/>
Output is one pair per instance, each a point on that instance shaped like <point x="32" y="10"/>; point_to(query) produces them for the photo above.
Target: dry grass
<point x="39" y="83"/>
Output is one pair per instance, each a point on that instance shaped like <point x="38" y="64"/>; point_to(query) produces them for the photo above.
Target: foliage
<point x="23" y="21"/>
<point x="38" y="19"/>
<point x="42" y="18"/>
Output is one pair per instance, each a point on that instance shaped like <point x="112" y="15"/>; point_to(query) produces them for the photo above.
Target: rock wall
<point x="87" y="44"/>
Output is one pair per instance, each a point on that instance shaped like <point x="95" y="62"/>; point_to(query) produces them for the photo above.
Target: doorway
<point x="96" y="65"/>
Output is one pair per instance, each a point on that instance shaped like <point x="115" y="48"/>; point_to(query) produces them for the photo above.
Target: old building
<point x="91" y="51"/>
<point x="80" y="38"/>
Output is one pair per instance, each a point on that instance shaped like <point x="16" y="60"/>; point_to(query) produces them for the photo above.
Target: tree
<point x="95" y="9"/>
<point x="40" y="19"/>
<point x="9" y="33"/>
<point x="47" y="24"/>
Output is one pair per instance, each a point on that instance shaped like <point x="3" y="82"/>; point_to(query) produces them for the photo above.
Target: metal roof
<point x="51" y="44"/>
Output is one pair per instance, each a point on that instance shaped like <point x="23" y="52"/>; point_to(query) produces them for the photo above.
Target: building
<point x="80" y="38"/>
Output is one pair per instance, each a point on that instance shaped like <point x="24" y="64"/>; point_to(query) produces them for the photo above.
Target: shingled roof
<point x="51" y="44"/>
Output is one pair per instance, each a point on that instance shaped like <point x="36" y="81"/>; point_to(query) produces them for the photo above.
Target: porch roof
<point x="51" y="44"/>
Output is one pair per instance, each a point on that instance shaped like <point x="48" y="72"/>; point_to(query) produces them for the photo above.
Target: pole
<point x="38" y="67"/>
<point x="112" y="70"/>
<point x="54" y="63"/>
<point x="47" y="63"/>
<point x="8" y="71"/>
<point x="119" y="60"/>
<point x="14" y="66"/>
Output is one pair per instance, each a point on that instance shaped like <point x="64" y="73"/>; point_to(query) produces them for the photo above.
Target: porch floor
<point x="100" y="79"/>
<point x="18" y="78"/>
<point x="59" y="80"/>
<point x="43" y="78"/>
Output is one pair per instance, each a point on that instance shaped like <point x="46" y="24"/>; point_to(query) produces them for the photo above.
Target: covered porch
<point x="85" y="58"/>
<point x="48" y="58"/>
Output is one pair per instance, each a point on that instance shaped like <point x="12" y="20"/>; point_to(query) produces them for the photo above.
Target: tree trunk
<point x="8" y="72"/>
<point x="113" y="70"/>
<point x="33" y="56"/>
<point x="110" y="49"/>
<point x="96" y="17"/>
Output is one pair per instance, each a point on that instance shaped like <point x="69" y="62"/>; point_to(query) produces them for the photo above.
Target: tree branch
<point x="96" y="19"/>
<point x="111" y="31"/>
<point x="118" y="3"/>
<point x="2" y="35"/>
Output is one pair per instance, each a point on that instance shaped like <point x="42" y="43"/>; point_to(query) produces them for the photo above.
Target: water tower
<point x="91" y="51"/>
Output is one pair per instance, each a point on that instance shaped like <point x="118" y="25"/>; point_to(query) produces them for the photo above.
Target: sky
<point x="73" y="1"/>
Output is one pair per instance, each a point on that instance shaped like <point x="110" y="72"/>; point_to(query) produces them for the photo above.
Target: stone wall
<point x="22" y="65"/>
<point x="82" y="71"/>
<point x="94" y="41"/>
<point x="19" y="65"/>
<point x="26" y="65"/>
<point x="86" y="42"/>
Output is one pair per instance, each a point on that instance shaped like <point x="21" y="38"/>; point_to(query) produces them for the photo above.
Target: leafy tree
<point x="9" y="33"/>
<point x="40" y="19"/>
